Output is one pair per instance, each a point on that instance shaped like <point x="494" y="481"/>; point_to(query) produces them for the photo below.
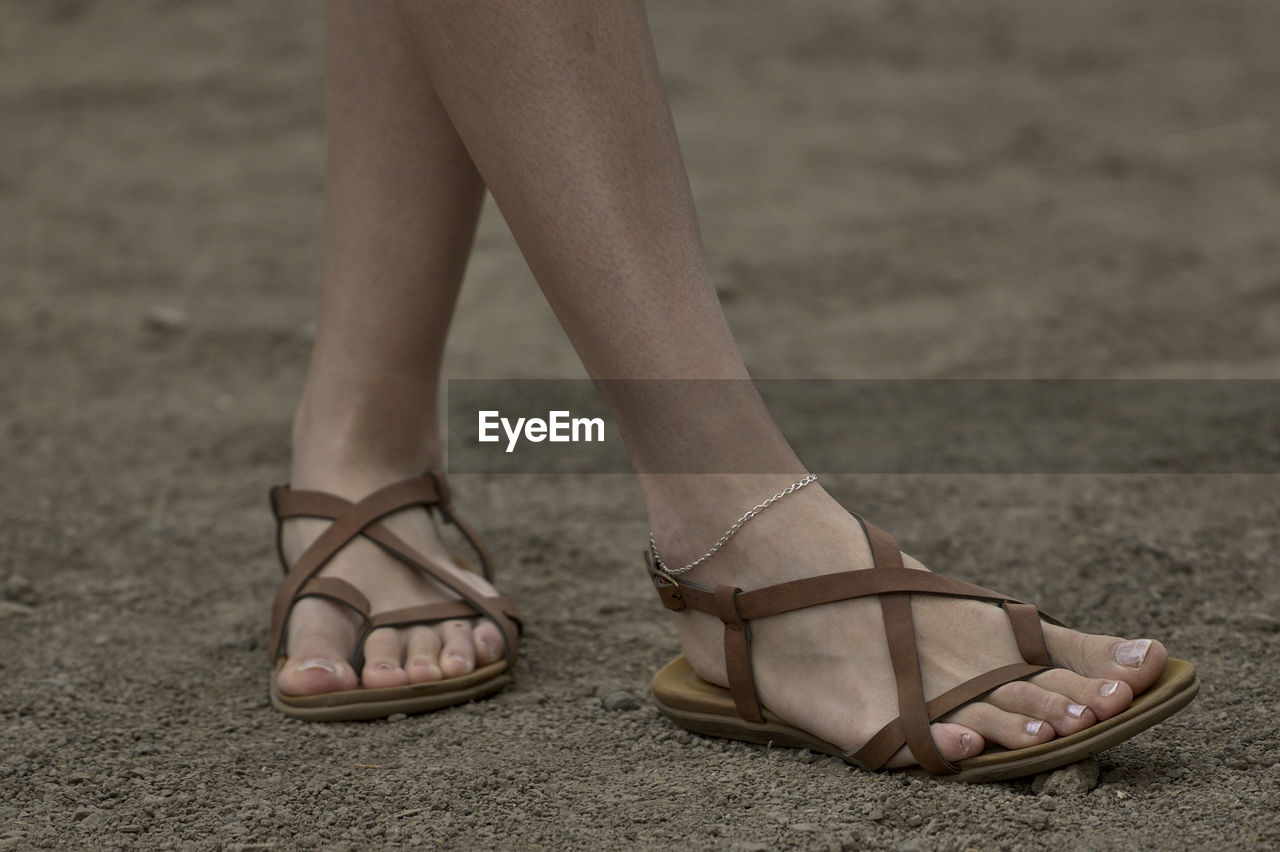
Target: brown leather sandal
<point x="736" y="712"/>
<point x="363" y="519"/>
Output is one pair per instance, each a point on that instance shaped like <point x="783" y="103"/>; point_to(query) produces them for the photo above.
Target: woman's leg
<point x="401" y="203"/>
<point x="560" y="105"/>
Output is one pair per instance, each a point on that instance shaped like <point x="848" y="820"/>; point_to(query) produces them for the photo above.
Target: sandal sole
<point x="705" y="708"/>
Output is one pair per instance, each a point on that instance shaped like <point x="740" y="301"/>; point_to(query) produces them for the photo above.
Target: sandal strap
<point x="440" y="611"/>
<point x="362" y="518"/>
<point x="451" y="516"/>
<point x="338" y="590"/>
<point x="1028" y="630"/>
<point x="461" y="583"/>
<point x="893" y="584"/>
<point x="886" y="742"/>
<point x="737" y="655"/>
<point x="824" y="589"/>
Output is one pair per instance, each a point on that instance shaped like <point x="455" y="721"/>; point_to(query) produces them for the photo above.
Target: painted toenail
<point x="1109" y="688"/>
<point x="1075" y="711"/>
<point x="1131" y="653"/>
<point x="317" y="663"/>
<point x="1033" y="728"/>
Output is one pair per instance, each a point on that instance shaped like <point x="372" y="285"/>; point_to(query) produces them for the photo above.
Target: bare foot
<point x="827" y="669"/>
<point x="321" y="635"/>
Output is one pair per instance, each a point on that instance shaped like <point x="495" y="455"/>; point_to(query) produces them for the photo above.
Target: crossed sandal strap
<point x="451" y="516"/>
<point x="363" y="518"/>
<point x="893" y="584"/>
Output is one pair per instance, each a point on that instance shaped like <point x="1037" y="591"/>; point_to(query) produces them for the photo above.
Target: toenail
<point x="966" y="744"/>
<point x="1109" y="688"/>
<point x="317" y="663"/>
<point x="1131" y="653"/>
<point x="385" y="667"/>
<point x="1075" y="711"/>
<point x="1033" y="728"/>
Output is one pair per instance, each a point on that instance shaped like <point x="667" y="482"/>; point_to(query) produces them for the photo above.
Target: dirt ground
<point x="888" y="189"/>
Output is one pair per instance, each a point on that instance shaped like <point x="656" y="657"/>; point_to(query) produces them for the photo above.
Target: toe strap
<point x="445" y="610"/>
<point x="337" y="590"/>
<point x="893" y="736"/>
<point x="1025" y="620"/>
<point x="498" y="609"/>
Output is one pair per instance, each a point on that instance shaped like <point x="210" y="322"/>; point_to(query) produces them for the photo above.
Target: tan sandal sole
<point x="705" y="708"/>
<point x="360" y="704"/>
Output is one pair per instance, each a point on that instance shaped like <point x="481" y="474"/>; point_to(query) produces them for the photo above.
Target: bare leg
<point x="560" y="106"/>
<point x="401" y="203"/>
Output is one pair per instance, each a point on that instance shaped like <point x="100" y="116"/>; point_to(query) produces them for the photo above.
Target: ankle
<point x="689" y="514"/>
<point x="348" y="457"/>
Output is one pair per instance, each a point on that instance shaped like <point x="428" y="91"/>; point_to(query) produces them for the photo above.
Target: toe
<point x="1038" y="701"/>
<point x="315" y="670"/>
<point x="489" y="642"/>
<point x="458" y="656"/>
<point x="422" y="659"/>
<point x="1136" y="662"/>
<point x="1104" y="698"/>
<point x="954" y="742"/>
<point x="1011" y="730"/>
<point x="320" y="636"/>
<point x="383" y="653"/>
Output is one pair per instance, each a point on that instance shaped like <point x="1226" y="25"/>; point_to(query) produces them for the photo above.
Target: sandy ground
<point x="888" y="189"/>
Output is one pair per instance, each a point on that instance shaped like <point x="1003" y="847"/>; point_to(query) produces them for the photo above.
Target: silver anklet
<point x="729" y="533"/>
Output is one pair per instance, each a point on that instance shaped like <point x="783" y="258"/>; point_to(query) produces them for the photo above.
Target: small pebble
<point x="875" y="814"/>
<point x="18" y="588"/>
<point x="1077" y="778"/>
<point x="165" y="318"/>
<point x="620" y="701"/>
<point x="397" y="717"/>
<point x="1259" y="621"/>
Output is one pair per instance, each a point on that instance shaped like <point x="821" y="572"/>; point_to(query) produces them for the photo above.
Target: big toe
<point x="312" y="671"/>
<point x="320" y="634"/>
<point x="1136" y="662"/>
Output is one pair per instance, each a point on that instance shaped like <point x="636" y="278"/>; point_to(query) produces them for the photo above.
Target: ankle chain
<point x="729" y="533"/>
